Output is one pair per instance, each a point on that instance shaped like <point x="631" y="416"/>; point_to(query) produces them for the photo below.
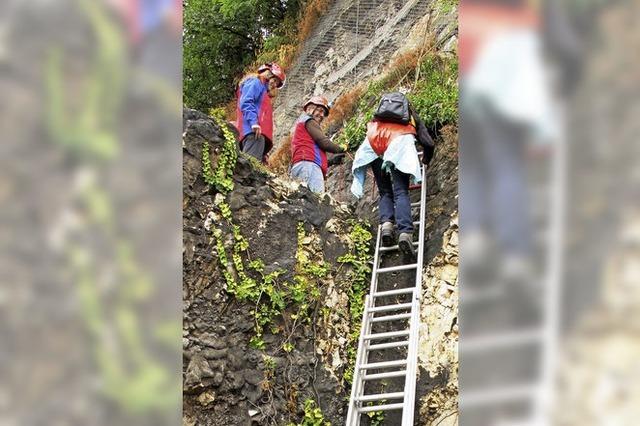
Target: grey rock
<point x="214" y="353"/>
<point x="253" y="377"/>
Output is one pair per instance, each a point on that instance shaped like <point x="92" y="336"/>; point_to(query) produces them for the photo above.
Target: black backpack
<point x="393" y="108"/>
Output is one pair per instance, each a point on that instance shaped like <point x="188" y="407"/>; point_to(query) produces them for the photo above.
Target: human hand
<point x="257" y="130"/>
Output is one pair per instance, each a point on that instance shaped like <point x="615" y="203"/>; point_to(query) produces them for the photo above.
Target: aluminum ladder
<point x="397" y="313"/>
<point x="538" y="391"/>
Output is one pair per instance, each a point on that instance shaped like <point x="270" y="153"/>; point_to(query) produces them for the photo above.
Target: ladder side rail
<point x="353" y="416"/>
<point x="412" y="353"/>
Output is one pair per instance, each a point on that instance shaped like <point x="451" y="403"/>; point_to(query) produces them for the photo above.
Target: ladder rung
<point x="389" y="345"/>
<point x="388" y="374"/>
<point x="416" y="204"/>
<point x="392" y="248"/>
<point x="395" y="317"/>
<point x="381" y="396"/>
<point x="390" y="307"/>
<point x="384" y="364"/>
<point x="397" y="268"/>
<point x="498" y="395"/>
<point x="500" y="340"/>
<point x="415" y="223"/>
<point x="385" y="407"/>
<point x="386" y="335"/>
<point x="394" y="292"/>
<point x="414" y="187"/>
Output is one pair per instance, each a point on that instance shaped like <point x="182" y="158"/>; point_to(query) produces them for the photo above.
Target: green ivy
<point x="358" y="258"/>
<point x="312" y="415"/>
<point x="270" y="295"/>
<point x="222" y="177"/>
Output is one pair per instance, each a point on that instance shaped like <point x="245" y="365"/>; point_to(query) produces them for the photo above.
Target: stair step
<point x="397" y="268"/>
<point x="389" y="345"/>
<point x="384" y="407"/>
<point x="386" y="335"/>
<point x="498" y="395"/>
<point x="386" y="308"/>
<point x="384" y="364"/>
<point x="500" y="340"/>
<point x="394" y="292"/>
<point x="381" y="396"/>
<point x="395" y="317"/>
<point x="388" y="374"/>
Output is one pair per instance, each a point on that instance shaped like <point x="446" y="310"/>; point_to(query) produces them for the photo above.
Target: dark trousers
<point x="253" y="146"/>
<point x="493" y="185"/>
<point x="394" y="204"/>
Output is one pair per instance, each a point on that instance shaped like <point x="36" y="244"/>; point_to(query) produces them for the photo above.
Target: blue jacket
<point x="252" y="97"/>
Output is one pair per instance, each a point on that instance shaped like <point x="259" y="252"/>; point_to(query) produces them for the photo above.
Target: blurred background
<point x="549" y="225"/>
<point x="90" y="302"/>
<point x="90" y="316"/>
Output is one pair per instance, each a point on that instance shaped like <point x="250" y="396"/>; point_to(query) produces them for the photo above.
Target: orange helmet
<point x="275" y="70"/>
<point x="320" y="101"/>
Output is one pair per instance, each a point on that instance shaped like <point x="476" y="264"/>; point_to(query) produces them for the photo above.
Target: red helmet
<point x="320" y="101"/>
<point x="279" y="72"/>
<point x="275" y="70"/>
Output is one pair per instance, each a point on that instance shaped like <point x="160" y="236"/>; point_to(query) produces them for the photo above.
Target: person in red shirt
<point x="309" y="145"/>
<point x="255" y="112"/>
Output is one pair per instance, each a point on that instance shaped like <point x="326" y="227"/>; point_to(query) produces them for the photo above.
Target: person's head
<point x="317" y="107"/>
<point x="274" y="75"/>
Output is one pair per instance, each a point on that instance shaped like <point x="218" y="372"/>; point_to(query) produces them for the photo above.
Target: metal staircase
<point x="403" y="320"/>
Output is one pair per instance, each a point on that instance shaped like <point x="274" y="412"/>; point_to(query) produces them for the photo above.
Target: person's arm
<point x="249" y="96"/>
<point x="320" y="138"/>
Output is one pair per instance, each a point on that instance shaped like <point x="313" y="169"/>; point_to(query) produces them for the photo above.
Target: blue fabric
<point x="394" y="204"/>
<point x="310" y="173"/>
<point x="252" y="90"/>
<point x="401" y="154"/>
<point x="493" y="182"/>
<point x="153" y="12"/>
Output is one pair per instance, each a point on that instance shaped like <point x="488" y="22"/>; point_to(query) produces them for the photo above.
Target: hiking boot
<point x="387" y="234"/>
<point x="405" y="243"/>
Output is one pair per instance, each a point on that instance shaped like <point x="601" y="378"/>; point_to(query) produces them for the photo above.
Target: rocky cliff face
<point x="271" y="280"/>
<point x="352" y="42"/>
<point x="230" y="377"/>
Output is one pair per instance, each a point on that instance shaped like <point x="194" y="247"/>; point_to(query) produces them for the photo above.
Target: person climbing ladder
<point x="389" y="148"/>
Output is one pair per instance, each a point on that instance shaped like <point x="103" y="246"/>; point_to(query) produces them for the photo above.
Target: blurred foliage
<point x="83" y="110"/>
<point x="222" y="37"/>
<point x="86" y="127"/>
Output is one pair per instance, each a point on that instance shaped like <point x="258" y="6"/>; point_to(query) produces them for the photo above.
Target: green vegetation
<point x="222" y="37"/>
<point x="433" y="94"/>
<point x="358" y="259"/>
<point x="272" y="297"/>
<point x="312" y="415"/>
<point x="221" y="177"/>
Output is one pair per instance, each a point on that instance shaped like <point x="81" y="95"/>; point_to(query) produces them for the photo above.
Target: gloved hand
<point x="336" y="159"/>
<point x="427" y="154"/>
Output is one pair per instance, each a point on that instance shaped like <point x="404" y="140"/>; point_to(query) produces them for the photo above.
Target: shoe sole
<point x="387" y="240"/>
<point x="406" y="248"/>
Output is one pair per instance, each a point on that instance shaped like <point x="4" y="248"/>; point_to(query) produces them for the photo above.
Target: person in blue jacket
<point x="254" y="110"/>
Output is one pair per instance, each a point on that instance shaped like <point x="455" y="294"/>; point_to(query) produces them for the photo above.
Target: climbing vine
<point x="221" y="177"/>
<point x="272" y="296"/>
<point x="358" y="258"/>
<point x="312" y="415"/>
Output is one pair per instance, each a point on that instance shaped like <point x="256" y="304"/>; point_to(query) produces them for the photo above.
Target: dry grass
<point x="344" y="106"/>
<point x="279" y="161"/>
<point x="312" y="13"/>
